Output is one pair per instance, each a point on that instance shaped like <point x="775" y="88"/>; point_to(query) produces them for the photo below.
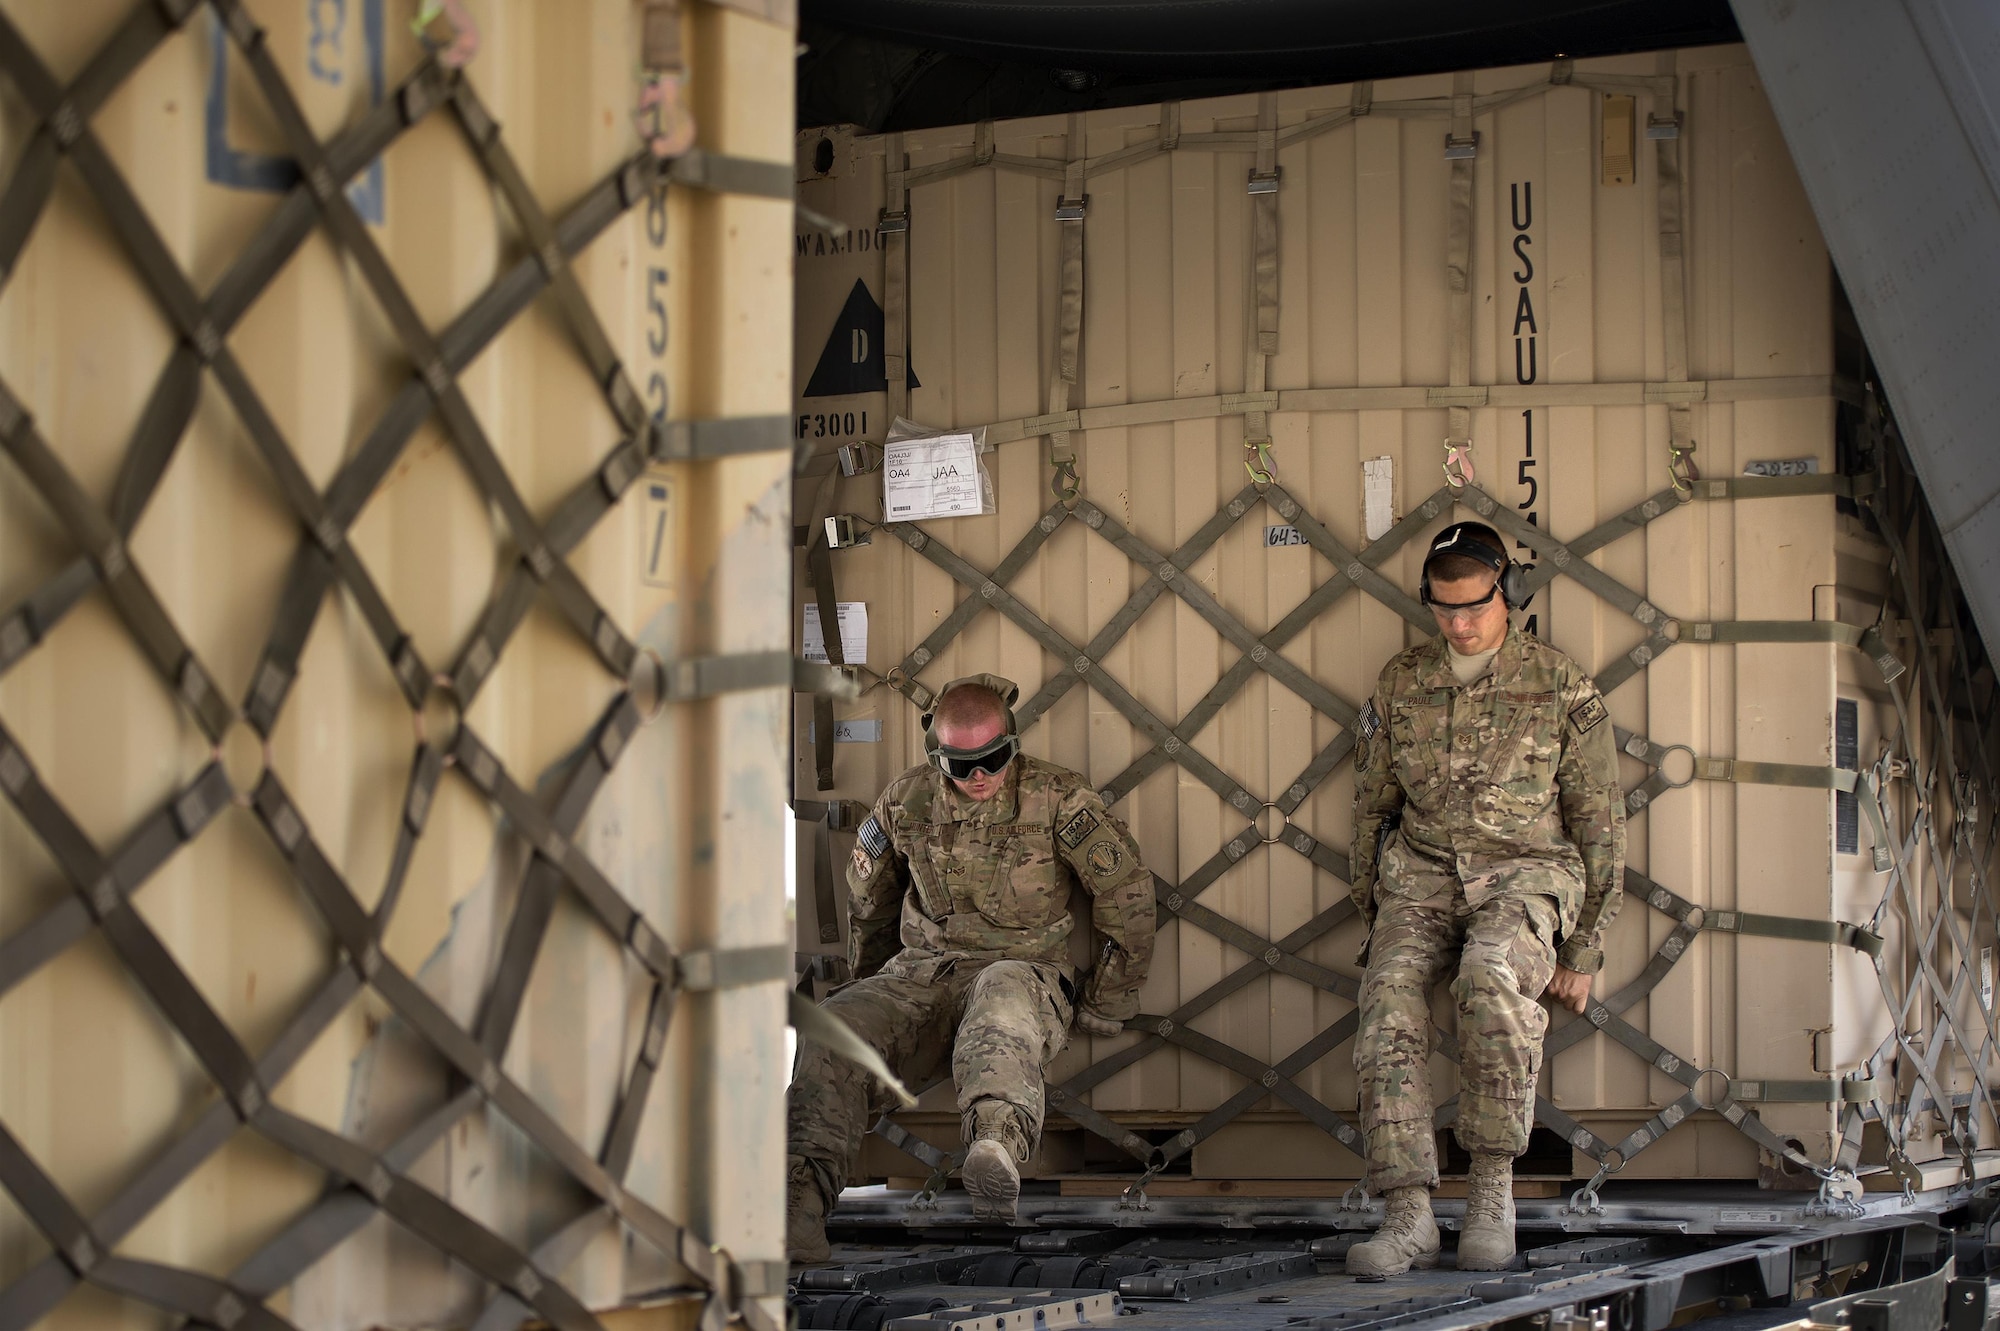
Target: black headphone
<point x="1464" y="538"/>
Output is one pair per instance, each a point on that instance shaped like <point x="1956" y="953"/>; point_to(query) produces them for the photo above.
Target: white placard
<point x="937" y="477"/>
<point x="853" y="617"/>
<point x="1378" y="496"/>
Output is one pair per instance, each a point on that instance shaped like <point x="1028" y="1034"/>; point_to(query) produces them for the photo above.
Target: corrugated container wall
<point x="1561" y="285"/>
<point x="364" y="822"/>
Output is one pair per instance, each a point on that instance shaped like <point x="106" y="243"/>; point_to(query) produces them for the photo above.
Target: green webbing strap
<point x="1784" y="487"/>
<point x="819" y="564"/>
<point x="830" y="817"/>
<point x="1853" y="1091"/>
<point x="1836" y="932"/>
<point x="1774" y="774"/>
<point x="1868" y="639"/>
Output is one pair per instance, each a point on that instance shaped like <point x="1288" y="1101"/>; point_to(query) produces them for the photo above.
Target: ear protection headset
<point x="1464" y="538"/>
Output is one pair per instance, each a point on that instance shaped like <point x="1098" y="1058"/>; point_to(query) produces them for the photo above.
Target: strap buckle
<point x="663" y="118"/>
<point x="893" y="222"/>
<point x="1064" y="483"/>
<point x="844" y="531"/>
<point x="858" y="459"/>
<point x="1682" y="471"/>
<point x="1266" y="182"/>
<point x="1262" y="470"/>
<point x="1072" y="210"/>
<point x="1458" y="469"/>
<point x="446" y="28"/>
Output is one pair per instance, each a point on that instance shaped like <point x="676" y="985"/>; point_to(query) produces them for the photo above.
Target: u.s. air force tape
<point x="873" y="839"/>
<point x="1369" y="722"/>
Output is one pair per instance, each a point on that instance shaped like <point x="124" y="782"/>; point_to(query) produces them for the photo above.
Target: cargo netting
<point x="1929" y="795"/>
<point x="526" y="1282"/>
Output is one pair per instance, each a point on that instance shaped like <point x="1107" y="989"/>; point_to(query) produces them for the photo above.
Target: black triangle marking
<point x="852" y="359"/>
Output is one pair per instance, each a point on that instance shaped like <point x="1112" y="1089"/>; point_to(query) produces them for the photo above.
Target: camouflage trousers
<point x="995" y="1024"/>
<point x="1504" y="953"/>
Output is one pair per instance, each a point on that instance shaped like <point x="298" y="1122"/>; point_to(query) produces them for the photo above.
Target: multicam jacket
<point x="991" y="879"/>
<point x="1509" y="782"/>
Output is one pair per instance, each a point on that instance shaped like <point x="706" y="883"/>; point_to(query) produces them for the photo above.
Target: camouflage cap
<point x="1008" y="690"/>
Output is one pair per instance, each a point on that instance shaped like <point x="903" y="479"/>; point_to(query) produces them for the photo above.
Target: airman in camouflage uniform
<point x="1489" y="841"/>
<point x="959" y="929"/>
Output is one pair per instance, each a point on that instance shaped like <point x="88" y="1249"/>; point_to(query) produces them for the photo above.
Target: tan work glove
<point x="1097" y="1023"/>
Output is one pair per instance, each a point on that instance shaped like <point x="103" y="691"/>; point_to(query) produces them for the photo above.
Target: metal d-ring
<point x="1660" y="770"/>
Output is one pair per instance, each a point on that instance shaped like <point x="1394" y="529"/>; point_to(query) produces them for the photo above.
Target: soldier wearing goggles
<point x="959" y="939"/>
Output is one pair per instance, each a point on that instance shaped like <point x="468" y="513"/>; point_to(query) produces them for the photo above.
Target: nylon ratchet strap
<point x="819" y="564"/>
<point x="1072" y="205"/>
<point x="1663" y="126"/>
<point x="895" y="236"/>
<point x="1461" y="147"/>
<point x="828" y="818"/>
<point x="1263" y="304"/>
<point x="1869" y="639"/>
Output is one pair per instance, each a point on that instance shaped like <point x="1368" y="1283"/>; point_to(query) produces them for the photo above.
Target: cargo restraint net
<point x="1927" y="796"/>
<point x="101" y="564"/>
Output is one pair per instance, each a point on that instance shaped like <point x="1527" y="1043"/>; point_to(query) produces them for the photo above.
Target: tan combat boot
<point x="805" y="1216"/>
<point x="992" y="1172"/>
<point x="992" y="1179"/>
<point x="1408" y="1237"/>
<point x="1487" y="1241"/>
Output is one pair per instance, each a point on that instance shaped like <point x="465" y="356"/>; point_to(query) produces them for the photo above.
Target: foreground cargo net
<point x="360" y="1183"/>
<point x="1938" y="756"/>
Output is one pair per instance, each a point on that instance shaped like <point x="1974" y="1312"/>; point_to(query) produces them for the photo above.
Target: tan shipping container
<point x="390" y="713"/>
<point x="1577" y="274"/>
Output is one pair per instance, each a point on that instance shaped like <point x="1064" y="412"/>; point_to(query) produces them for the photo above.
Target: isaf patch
<point x="1104" y="858"/>
<point x="1370" y="722"/>
<point x="873" y="839"/>
<point x="1587" y="715"/>
<point x="1078" y="828"/>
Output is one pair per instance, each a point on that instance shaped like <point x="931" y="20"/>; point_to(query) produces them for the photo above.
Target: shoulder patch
<point x="1587" y="715"/>
<point x="1076" y="829"/>
<point x="1370" y="722"/>
<point x="873" y="839"/>
<point x="1104" y="858"/>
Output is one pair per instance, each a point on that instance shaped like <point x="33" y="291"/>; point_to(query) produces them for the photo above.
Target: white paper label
<point x="930" y="478"/>
<point x="853" y="617"/>
<point x="1378" y="496"/>
<point x="849" y="732"/>
<point x="1782" y="467"/>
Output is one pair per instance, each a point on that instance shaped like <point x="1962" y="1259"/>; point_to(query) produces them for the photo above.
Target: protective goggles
<point x="1450" y="609"/>
<point x="964" y="764"/>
